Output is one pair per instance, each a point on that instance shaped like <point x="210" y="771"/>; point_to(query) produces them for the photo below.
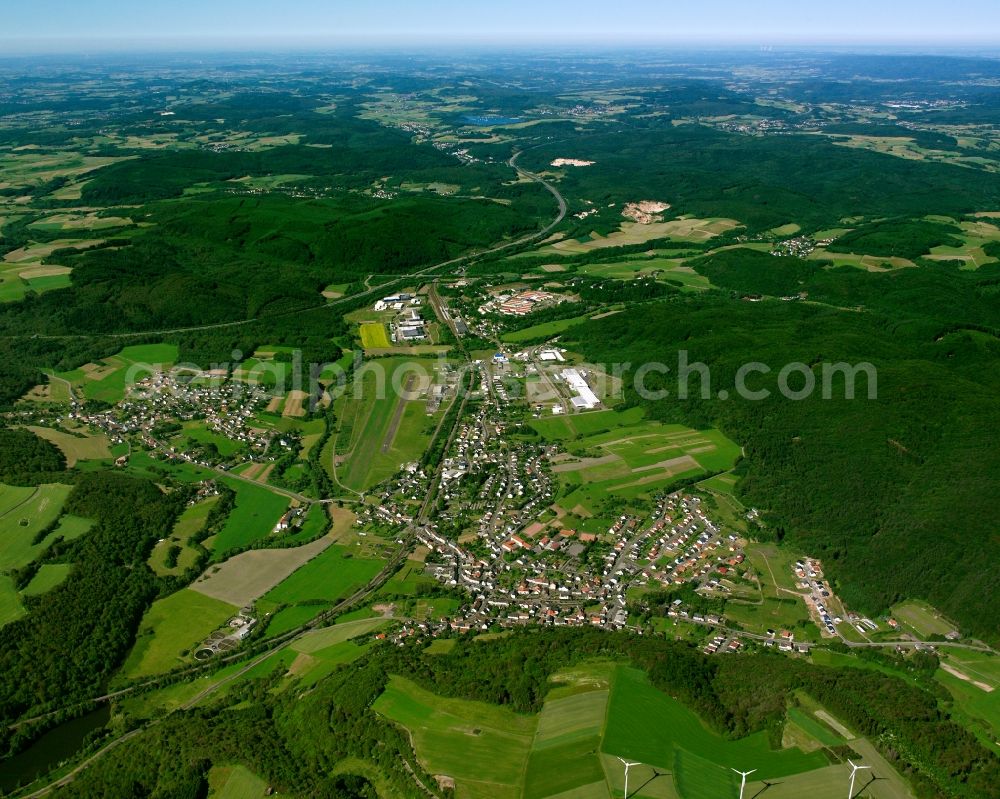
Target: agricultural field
<point x="332" y="574"/>
<point x="34" y="167"/>
<point x="629" y="457"/>
<point x="597" y="713"/>
<point x="19" y="278"/>
<point x="108" y="379"/>
<point x="373" y="335"/>
<point x="78" y="445"/>
<point x="245" y="577"/>
<point x="628" y="233"/>
<point x="172" y="628"/>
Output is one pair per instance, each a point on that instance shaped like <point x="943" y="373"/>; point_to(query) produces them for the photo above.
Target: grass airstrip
<point x="382" y="422"/>
<point x="603" y="711"/>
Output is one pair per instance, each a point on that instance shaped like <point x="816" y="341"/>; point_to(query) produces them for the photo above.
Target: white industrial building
<point x="585" y="398"/>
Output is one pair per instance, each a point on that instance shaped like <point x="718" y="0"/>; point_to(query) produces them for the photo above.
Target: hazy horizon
<point x="48" y="27"/>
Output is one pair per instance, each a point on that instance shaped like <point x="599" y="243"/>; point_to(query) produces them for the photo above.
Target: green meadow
<point x="483" y="747"/>
<point x="48" y="577"/>
<point x="191" y="521"/>
<point x="24" y="514"/>
<point x="252" y="518"/>
<point x="108" y="380"/>
<point x="171" y="629"/>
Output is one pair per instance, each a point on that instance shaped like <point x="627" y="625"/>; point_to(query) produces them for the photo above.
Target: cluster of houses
<point x="223" y="405"/>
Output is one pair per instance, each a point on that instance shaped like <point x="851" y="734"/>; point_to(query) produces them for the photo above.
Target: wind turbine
<point x="627" y="767"/>
<point x="854" y="770"/>
<point x="743" y="780"/>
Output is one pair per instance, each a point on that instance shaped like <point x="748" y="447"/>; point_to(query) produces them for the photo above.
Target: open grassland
<point x="10" y="601"/>
<point x="410" y="580"/>
<point x="47" y="577"/>
<point x="627" y="457"/>
<point x="332" y="574"/>
<point x="249" y="575"/>
<point x="667" y="269"/>
<point x="973" y="680"/>
<point x="80" y="445"/>
<point x="27" y="515"/>
<point x="771" y="614"/>
<point x="310" y="668"/>
<point x="171" y="629"/>
<point x="252" y="518"/>
<point x="543" y="329"/>
<point x="483" y="747"/>
<point x="922" y="619"/>
<point x="191" y="521"/>
<point x="317" y="641"/>
<point x="237" y="782"/>
<point x="199" y="433"/>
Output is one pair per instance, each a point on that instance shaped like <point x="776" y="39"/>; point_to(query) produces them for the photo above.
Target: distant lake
<point x="492" y="120"/>
<point x="50" y="749"/>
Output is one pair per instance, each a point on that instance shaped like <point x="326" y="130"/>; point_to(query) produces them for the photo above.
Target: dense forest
<point x="76" y="635"/>
<point x="888" y="491"/>
<point x="27" y="459"/>
<point x="762" y="182"/>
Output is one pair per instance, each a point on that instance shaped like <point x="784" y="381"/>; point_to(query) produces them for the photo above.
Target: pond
<point x="50" y="749"/>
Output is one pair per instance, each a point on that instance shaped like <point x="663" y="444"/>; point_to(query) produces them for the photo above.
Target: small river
<point x="50" y="749"/>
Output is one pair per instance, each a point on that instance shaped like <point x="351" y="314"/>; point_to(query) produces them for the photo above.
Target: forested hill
<point x="78" y="633"/>
<point x="894" y="494"/>
<point x="307" y="744"/>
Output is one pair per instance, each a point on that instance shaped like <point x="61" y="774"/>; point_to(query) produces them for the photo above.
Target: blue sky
<point x="54" y="25"/>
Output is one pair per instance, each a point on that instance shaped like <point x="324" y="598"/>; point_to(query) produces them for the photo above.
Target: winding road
<point x="512" y="163"/>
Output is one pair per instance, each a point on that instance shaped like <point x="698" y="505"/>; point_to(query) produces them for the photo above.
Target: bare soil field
<point x="294" y="403"/>
<point x="249" y="575"/>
